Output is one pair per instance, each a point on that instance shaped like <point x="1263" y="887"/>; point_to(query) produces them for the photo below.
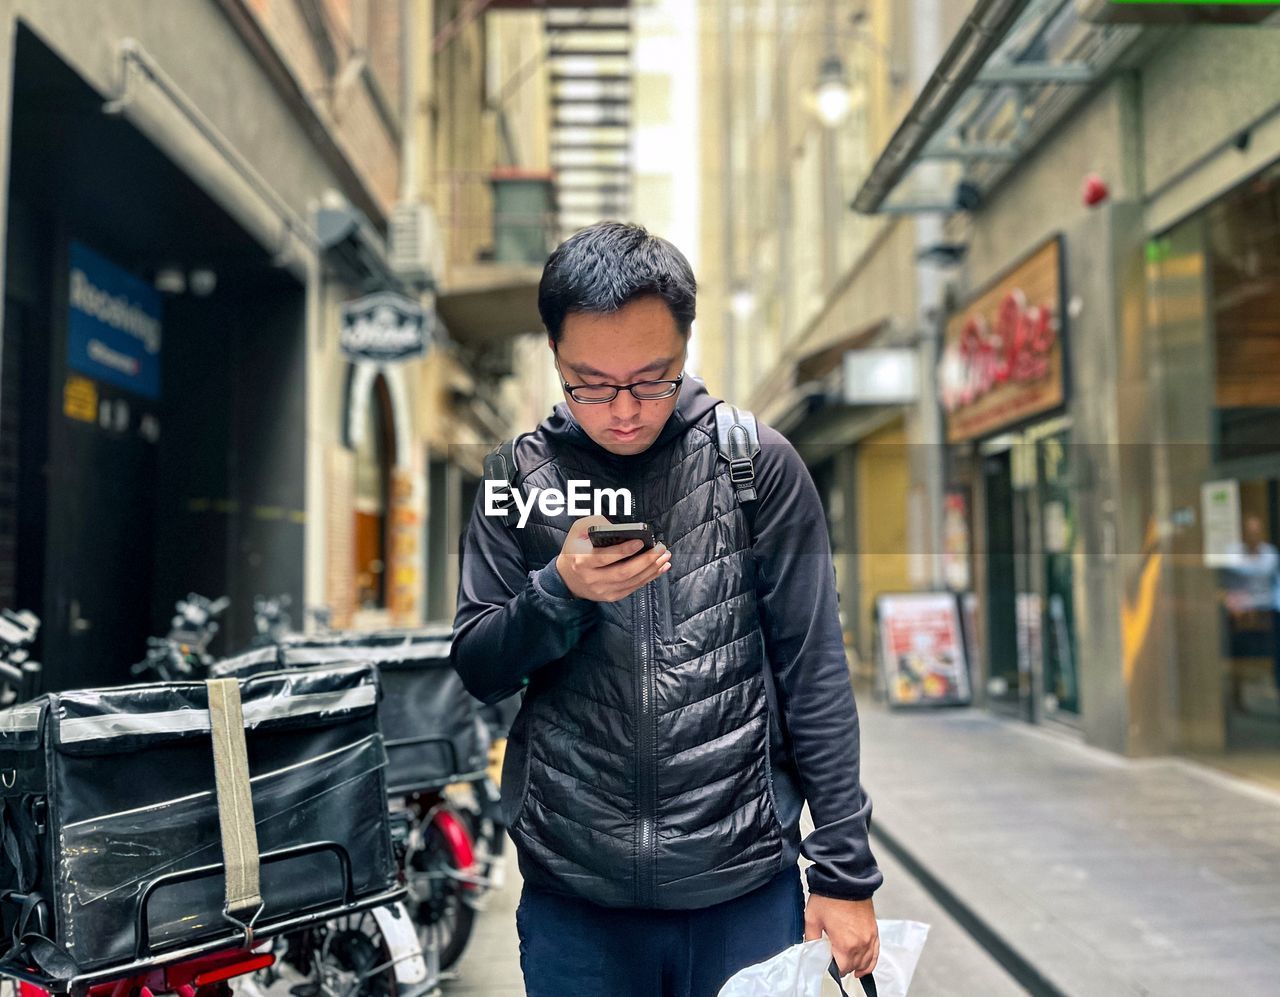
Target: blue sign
<point x="113" y="330"/>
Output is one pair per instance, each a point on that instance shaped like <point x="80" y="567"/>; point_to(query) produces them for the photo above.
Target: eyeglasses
<point x="645" y="391"/>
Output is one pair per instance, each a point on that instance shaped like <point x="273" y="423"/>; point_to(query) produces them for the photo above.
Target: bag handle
<point x="868" y="982"/>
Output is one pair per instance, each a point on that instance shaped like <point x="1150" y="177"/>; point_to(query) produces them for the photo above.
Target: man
<point x="1253" y="592"/>
<point x="651" y="787"/>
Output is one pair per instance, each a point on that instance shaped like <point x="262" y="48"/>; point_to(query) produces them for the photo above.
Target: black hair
<point x="604" y="266"/>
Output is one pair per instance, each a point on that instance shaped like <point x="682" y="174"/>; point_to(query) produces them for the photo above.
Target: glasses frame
<point x="569" y="389"/>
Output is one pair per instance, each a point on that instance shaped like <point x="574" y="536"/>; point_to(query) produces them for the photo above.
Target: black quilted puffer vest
<point x="637" y="773"/>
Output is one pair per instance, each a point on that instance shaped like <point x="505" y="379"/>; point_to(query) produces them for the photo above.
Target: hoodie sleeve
<point x="510" y="621"/>
<point x="803" y="639"/>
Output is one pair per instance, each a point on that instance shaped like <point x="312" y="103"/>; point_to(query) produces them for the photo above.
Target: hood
<point x="692" y="406"/>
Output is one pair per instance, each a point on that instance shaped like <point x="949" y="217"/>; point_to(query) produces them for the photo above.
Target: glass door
<point x="1029" y="594"/>
<point x="1008" y="683"/>
<point x="1059" y="685"/>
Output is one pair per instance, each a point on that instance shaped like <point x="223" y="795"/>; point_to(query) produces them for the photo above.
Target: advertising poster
<point x="922" y="651"/>
<point x="1220" y="513"/>
<point x="955" y="540"/>
<point x="1029" y="610"/>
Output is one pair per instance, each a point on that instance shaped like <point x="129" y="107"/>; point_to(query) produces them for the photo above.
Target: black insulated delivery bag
<point x="113" y="833"/>
<point x="430" y="723"/>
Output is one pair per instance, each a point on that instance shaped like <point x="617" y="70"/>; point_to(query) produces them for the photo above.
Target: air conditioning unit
<point x="1110" y="12"/>
<point x="416" y="249"/>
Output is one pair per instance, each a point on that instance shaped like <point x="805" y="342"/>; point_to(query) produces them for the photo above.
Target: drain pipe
<point x="168" y="116"/>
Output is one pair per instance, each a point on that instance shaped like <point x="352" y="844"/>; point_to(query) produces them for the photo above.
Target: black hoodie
<point x="512" y="620"/>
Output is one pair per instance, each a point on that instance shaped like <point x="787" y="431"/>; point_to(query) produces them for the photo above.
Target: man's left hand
<point x="850" y="926"/>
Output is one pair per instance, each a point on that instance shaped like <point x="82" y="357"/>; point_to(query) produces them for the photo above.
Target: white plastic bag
<point x="901" y="943"/>
<point x="794" y="972"/>
<point x="800" y="970"/>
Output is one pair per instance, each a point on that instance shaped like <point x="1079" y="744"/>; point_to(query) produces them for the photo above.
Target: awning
<point x="1014" y="70"/>
<point x="820" y="360"/>
<point x="811" y="383"/>
<point x="486" y="304"/>
<point x="351" y="243"/>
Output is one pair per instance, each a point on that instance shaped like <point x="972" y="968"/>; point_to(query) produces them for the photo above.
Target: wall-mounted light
<point x="202" y="281"/>
<point x="832" y="97"/>
<point x="171" y="280"/>
<point x="742" y="301"/>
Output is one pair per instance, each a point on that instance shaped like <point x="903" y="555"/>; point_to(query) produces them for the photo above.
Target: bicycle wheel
<point x="437" y="902"/>
<point x="345" y="957"/>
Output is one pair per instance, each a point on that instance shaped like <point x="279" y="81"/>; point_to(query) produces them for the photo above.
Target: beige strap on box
<point x="235" y="800"/>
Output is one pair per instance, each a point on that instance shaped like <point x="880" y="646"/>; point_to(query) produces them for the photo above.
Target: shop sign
<point x="113" y="324"/>
<point x="1002" y="361"/>
<point x="384" y="328"/>
<point x="880" y="376"/>
<point x="922" y="649"/>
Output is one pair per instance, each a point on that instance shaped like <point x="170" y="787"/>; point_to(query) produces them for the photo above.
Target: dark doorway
<point x="1004" y="676"/>
<point x="124" y="499"/>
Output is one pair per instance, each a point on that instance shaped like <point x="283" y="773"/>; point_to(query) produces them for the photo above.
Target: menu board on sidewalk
<point x="921" y="649"/>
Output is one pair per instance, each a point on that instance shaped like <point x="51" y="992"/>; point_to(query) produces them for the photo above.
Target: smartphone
<point x="615" y="533"/>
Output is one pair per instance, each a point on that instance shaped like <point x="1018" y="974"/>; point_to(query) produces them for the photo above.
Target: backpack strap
<point x="738" y="440"/>
<point x="500" y="465"/>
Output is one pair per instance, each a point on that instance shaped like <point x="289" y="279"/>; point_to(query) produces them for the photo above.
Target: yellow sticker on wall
<point x="80" y="399"/>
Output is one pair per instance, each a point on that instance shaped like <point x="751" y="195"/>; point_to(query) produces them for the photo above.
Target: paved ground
<point x="491" y="965"/>
<point x="952" y="964"/>
<point x="1110" y="876"/>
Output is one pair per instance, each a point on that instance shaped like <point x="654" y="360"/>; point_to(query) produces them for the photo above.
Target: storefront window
<point x="1030" y="556"/>
<point x="1242" y="251"/>
<point x="1057" y="542"/>
<point x="1214" y="287"/>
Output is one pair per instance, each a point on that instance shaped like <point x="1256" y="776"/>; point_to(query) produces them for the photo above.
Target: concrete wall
<point x="1040" y="198"/>
<point x="1160" y="131"/>
<point x="196" y="45"/>
<point x="352" y="112"/>
<point x="1199" y="91"/>
<point x="1043" y="194"/>
<point x="226" y="90"/>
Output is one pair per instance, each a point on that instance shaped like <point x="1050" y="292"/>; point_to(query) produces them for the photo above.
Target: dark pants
<point x="1275" y="647"/>
<point x="571" y="948"/>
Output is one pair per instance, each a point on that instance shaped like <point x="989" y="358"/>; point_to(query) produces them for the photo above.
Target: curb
<point x="981" y="931"/>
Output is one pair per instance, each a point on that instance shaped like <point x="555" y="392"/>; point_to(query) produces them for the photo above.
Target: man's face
<point x="639" y="342"/>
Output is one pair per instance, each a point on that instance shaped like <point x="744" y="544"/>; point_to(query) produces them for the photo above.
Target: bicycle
<point x="157" y="942"/>
<point x="437" y="747"/>
<point x="19" y="675"/>
<point x="271" y="620"/>
<point x="182" y="654"/>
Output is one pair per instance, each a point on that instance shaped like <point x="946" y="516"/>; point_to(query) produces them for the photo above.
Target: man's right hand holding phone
<point x="607" y="574"/>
